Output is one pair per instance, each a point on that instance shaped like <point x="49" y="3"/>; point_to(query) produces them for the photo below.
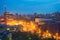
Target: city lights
<point x="33" y="27"/>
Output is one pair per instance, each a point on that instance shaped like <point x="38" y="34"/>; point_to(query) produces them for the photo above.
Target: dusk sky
<point x="30" y="6"/>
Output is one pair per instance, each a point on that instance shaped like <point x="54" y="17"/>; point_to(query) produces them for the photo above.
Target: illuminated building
<point x="47" y="34"/>
<point x="9" y="16"/>
<point x="41" y="19"/>
<point x="56" y="36"/>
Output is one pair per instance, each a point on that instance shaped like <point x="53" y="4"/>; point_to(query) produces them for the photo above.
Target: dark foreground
<point x="24" y="36"/>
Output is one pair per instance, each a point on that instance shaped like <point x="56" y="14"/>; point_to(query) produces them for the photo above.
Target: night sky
<point x="30" y="6"/>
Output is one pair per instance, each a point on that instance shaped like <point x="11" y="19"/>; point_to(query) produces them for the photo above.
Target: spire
<point x="5" y="13"/>
<point x="4" y="8"/>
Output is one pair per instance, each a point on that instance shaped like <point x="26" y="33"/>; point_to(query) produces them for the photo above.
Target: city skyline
<point x="29" y="19"/>
<point x="30" y="6"/>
